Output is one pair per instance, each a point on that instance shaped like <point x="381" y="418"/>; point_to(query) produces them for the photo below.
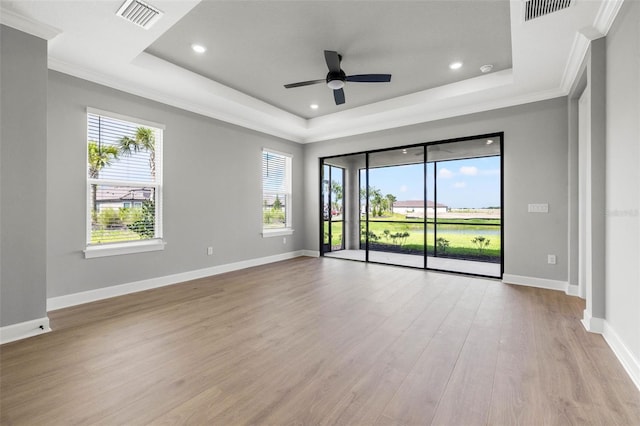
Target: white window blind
<point x="124" y="180"/>
<point x="276" y="190"/>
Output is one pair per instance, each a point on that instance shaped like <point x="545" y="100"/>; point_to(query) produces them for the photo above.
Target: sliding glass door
<point x="434" y="205"/>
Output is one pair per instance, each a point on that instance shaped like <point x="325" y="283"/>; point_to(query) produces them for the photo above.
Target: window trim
<point x="134" y="246"/>
<point x="288" y="229"/>
<point x="128" y="247"/>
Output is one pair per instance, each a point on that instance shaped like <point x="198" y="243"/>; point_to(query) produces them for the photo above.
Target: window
<point x="124" y="185"/>
<point x="276" y="193"/>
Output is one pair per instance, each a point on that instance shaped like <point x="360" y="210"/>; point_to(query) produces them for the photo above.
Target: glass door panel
<point x="340" y="209"/>
<point x="326" y="203"/>
<point x="467" y="209"/>
<point x="430" y="197"/>
<point x="396" y="213"/>
<point x="337" y="208"/>
<point x="332" y="207"/>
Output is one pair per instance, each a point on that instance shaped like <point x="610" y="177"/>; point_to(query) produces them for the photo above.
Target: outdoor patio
<point x="454" y="265"/>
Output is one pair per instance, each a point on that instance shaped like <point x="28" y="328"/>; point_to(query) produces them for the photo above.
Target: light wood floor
<point x="320" y="341"/>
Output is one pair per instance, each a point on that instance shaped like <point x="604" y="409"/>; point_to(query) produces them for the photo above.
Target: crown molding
<point x="27" y="25"/>
<point x="401" y="117"/>
<point x="601" y="25"/>
<point x="396" y="112"/>
<point x="606" y="15"/>
<point x="579" y="50"/>
<point x="115" y="82"/>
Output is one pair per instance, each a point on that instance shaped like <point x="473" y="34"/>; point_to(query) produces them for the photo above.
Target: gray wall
<point x="212" y="191"/>
<point x="623" y="177"/>
<point x="535" y="158"/>
<point x="23" y="140"/>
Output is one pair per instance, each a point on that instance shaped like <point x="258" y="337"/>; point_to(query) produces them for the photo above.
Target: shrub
<point x="400" y="237"/>
<point x="481" y="243"/>
<point x="372" y="236"/>
<point x="109" y="218"/>
<point x="443" y="244"/>
<point x="129" y="215"/>
<point x="145" y="224"/>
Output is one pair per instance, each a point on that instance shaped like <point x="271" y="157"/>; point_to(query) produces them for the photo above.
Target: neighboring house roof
<point x="123" y="194"/>
<point x="415" y="204"/>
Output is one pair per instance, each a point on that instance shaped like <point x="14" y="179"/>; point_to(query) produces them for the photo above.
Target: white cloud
<point x="460" y="185"/>
<point x="403" y="188"/>
<point x="445" y="173"/>
<point x="469" y="170"/>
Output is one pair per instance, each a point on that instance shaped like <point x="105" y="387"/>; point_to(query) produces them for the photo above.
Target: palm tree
<point x="390" y="200"/>
<point x="336" y="190"/>
<point x="145" y="140"/>
<point x="100" y="156"/>
<point x="375" y="202"/>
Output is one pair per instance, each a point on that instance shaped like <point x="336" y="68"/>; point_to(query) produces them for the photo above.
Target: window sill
<point x="266" y="233"/>
<point x="116" y="249"/>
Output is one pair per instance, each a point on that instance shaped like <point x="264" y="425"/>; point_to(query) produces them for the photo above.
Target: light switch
<point x="538" y="208"/>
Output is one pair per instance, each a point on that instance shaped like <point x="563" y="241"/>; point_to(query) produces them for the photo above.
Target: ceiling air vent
<point x="140" y="13"/>
<point x="536" y="8"/>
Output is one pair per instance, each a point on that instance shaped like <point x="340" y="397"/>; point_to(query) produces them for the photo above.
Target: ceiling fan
<point x="336" y="78"/>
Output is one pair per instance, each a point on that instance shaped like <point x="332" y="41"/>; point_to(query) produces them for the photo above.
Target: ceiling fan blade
<point x="333" y="60"/>
<point x="370" y="78"/>
<point x="304" y="83"/>
<point x="338" y="95"/>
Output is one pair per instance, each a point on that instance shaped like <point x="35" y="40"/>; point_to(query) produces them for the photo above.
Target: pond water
<point x="486" y="231"/>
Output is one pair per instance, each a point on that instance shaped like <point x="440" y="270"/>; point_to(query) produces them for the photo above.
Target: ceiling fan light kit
<point x="336" y="77"/>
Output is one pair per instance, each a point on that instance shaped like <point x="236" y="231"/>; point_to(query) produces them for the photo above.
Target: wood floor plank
<point x="319" y="341"/>
<point x="416" y="400"/>
<point x="475" y="367"/>
<point x="515" y="396"/>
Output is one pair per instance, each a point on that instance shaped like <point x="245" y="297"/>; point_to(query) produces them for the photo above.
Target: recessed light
<point x="313" y="106"/>
<point x="198" y="48"/>
<point x="489" y="141"/>
<point x="486" y="68"/>
<point x="455" y="65"/>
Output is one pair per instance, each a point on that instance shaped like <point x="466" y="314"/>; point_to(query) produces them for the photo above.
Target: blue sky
<point x="472" y="183"/>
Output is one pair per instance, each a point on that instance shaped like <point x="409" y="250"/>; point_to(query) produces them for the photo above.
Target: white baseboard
<point x="571" y="290"/>
<point x="591" y="323"/>
<point x="65" y="301"/>
<point x="630" y="363"/>
<point x="22" y="330"/>
<point x="310" y="253"/>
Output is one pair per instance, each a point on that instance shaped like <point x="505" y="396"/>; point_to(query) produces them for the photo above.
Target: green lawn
<point x="336" y="233"/>
<point x="100" y="236"/>
<point x="459" y="233"/>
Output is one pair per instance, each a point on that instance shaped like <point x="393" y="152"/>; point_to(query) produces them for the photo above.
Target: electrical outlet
<point x="209" y="251"/>
<point x="551" y="259"/>
<point x="284" y="240"/>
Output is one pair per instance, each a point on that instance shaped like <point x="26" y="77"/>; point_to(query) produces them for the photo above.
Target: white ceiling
<point x="256" y="47"/>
